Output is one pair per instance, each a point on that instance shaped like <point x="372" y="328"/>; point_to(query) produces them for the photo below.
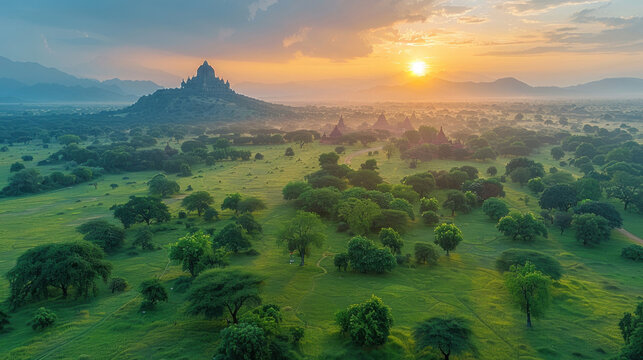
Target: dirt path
<point x="349" y="157"/>
<point x="314" y="278"/>
<point x="631" y="236"/>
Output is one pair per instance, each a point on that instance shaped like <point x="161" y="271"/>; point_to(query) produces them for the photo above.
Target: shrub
<point x="152" y="291"/>
<point x="341" y="261"/>
<point x="430" y="204"/>
<point x="118" y="284"/>
<point x="258" y="156"/>
<point x="495" y="208"/>
<point x="182" y="214"/>
<point x="43" y="318"/>
<point x="144" y="239"/>
<point x="365" y="257"/>
<point x="368" y="323"/>
<point x="426" y="253"/>
<point x="17" y="166"/>
<point x="633" y="252"/>
<point x="210" y="214"/>
<point x="431" y="218"/>
<point x="544" y="263"/>
<point x="289" y="152"/>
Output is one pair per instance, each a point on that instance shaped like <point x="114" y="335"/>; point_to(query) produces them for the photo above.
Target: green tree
<point x="495" y="208"/>
<point x="370" y="164"/>
<point x="588" y="188"/>
<point x="426" y="253"/>
<point x="423" y="183"/>
<point x="160" y="185"/>
<point x="392" y="240"/>
<point x="289" y="152"/>
<point x="233" y="238"/>
<point x="625" y="187"/>
<point x="606" y="210"/>
<point x="529" y="288"/>
<point x="591" y="229"/>
<point x="63" y="266"/>
<point x="69" y="139"/>
<point x="557" y="153"/>
<point x="215" y="292"/>
<point x="449" y="335"/>
<point x="304" y="231"/>
<point x="320" y="201"/>
<point x="108" y="236"/>
<point x="521" y="175"/>
<point x="492" y="171"/>
<point x="428" y="204"/>
<point x="523" y="227"/>
<point x="365" y="257"/>
<point x="118" y="284"/>
<point x="563" y="220"/>
<point x="152" y="292"/>
<point x="42" y="319"/>
<point x="231" y="202"/>
<point x="536" y="185"/>
<point x="368" y="179"/>
<point x="249" y="224"/>
<point x="403" y="205"/>
<point x="141" y="209"/>
<point x="560" y="197"/>
<point x="447" y="236"/>
<point x="293" y="189"/>
<point x="194" y="251"/>
<point x="341" y="261"/>
<point x="456" y="201"/>
<point x="358" y="214"/>
<point x="367" y="324"/>
<point x="545" y="263"/>
<point x="431" y="218"/>
<point x="199" y="201"/>
<point x="250" y="205"/>
<point x="405" y="192"/>
<point x="243" y="341"/>
<point x="17" y="166"/>
<point x="4" y="320"/>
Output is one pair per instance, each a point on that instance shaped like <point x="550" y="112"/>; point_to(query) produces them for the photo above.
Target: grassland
<point x="597" y="287"/>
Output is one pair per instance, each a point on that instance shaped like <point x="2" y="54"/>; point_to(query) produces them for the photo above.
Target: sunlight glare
<point x="418" y="68"/>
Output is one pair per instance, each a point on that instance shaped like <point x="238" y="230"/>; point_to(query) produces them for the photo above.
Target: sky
<point x="542" y="42"/>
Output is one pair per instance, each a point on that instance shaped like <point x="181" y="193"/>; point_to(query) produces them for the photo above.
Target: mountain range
<point x="31" y="82"/>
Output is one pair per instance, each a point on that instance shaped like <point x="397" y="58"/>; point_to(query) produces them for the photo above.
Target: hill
<point x="203" y="97"/>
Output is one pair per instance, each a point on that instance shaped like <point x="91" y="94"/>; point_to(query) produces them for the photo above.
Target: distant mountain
<point x="32" y="82"/>
<point x="203" y="97"/>
<point x="428" y="89"/>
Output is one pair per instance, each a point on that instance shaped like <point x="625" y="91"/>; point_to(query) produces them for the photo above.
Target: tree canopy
<point x="449" y="335"/>
<point x="303" y="232"/>
<point x="198" y="200"/>
<point x="447" y="236"/>
<point x="141" y="209"/>
<point x="529" y="288"/>
<point x="368" y="323"/>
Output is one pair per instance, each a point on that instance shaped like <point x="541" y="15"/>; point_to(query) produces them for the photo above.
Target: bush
<point x="341" y="261"/>
<point x="17" y="166"/>
<point x="430" y="204"/>
<point x="258" y="156"/>
<point x="544" y="263"/>
<point x="42" y="319"/>
<point x="152" y="292"/>
<point x="144" y="239"/>
<point x="118" y="284"/>
<point x="365" y="257"/>
<point x="431" y="218"/>
<point x="210" y="214"/>
<point x="296" y="334"/>
<point x="495" y="208"/>
<point x="289" y="152"/>
<point x="633" y="252"/>
<point x="426" y="253"/>
<point x="368" y="324"/>
<point x="182" y="214"/>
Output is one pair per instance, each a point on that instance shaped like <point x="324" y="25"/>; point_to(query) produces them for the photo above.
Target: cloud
<point x="532" y="7"/>
<point x="337" y="29"/>
<point x="471" y="19"/>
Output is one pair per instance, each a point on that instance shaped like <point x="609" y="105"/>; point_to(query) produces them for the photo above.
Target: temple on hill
<point x="206" y="82"/>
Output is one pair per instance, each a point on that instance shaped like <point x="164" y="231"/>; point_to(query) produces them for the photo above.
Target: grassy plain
<point x="597" y="286"/>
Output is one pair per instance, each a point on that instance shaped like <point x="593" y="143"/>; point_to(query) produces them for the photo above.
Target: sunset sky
<point x="542" y="42"/>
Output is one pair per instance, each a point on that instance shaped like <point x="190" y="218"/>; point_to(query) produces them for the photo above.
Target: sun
<point x="418" y="68"/>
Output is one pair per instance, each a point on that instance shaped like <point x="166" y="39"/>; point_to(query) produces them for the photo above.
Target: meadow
<point x="582" y="322"/>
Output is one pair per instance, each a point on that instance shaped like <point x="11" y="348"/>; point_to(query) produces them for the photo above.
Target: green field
<point x="595" y="290"/>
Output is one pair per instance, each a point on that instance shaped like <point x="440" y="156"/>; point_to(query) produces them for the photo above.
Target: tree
<point x="231" y="202"/>
<point x="160" y="185"/>
<point x="588" y="188"/>
<point x="320" y="201"/>
<point x="243" y="341"/>
<point x="405" y="192"/>
<point x="563" y="220"/>
<point x="368" y="179"/>
<point x="26" y="181"/>
<point x="529" y="288"/>
<point x="536" y="185"/>
<point x="4" y="320"/>
<point x="523" y="227"/>
<point x="557" y="153"/>
<point x="370" y="164"/>
<point x="631" y="326"/>
<point x="289" y="152"/>
<point x="495" y="208"/>
<point x="431" y="218"/>
<point x="560" y="197"/>
<point x="633" y="252"/>
<point x="341" y="261"/>
<point x="250" y="205"/>
<point x="485" y="153"/>
<point x="591" y="229"/>
<point x="118" y="284"/>
<point x="447" y="236"/>
<point x="215" y="292"/>
<point x="69" y="139"/>
<point x="367" y="324"/>
<point x="108" y="236"/>
<point x="210" y="214"/>
<point x="293" y="189"/>
<point x="194" y="251"/>
<point x="426" y="253"/>
<point x="249" y="224"/>
<point x="392" y="240"/>
<point x="449" y="335"/>
<point x="395" y="219"/>
<point x="365" y="257"/>
<point x="623" y="186"/>
<point x="17" y="166"/>
<point x="232" y="237"/>
<point x="430" y="204"/>
<point x="152" y="291"/>
<point x="606" y="210"/>
<point x="492" y="171"/>
<point x="65" y="265"/>
<point x="402" y="205"/>
<point x="422" y="183"/>
<point x="521" y="175"/>
<point x="199" y="201"/>
<point x="358" y="214"/>
<point x="545" y="263"/>
<point x="42" y="319"/>
<point x="456" y="201"/>
<point x="303" y="232"/>
<point x="141" y="209"/>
